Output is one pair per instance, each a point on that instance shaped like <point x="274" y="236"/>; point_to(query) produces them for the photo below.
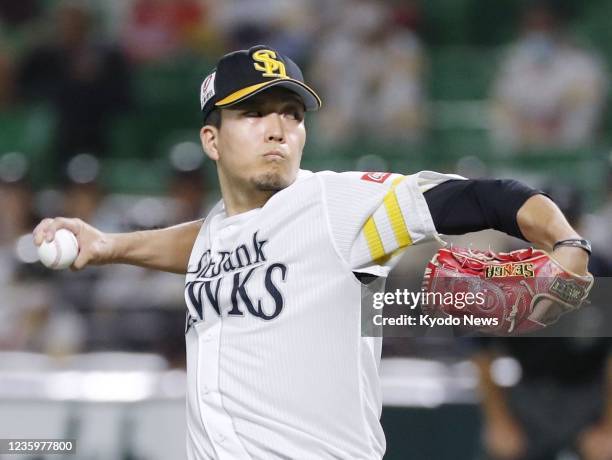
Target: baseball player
<point x="276" y="364"/>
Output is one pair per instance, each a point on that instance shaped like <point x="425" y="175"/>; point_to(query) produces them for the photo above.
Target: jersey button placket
<point x="209" y="342"/>
<point x="218" y="424"/>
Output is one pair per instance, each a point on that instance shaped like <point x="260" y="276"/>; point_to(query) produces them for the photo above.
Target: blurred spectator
<point x="549" y="92"/>
<point x="160" y="29"/>
<point x="16" y="14"/>
<point x="408" y="14"/>
<point x="189" y="193"/>
<point x="6" y="78"/>
<point x="86" y="81"/>
<point x="188" y="190"/>
<point x="15" y="198"/>
<point x="17" y="251"/>
<point x="598" y="224"/>
<point x="370" y="72"/>
<point x="288" y="26"/>
<point x="23" y="297"/>
<point x="149" y="35"/>
<point x="82" y="192"/>
<point x="562" y="403"/>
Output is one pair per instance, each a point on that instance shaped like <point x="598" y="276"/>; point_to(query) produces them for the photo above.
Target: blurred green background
<point x="463" y="41"/>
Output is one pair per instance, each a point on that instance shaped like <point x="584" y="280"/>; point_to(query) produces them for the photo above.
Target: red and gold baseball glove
<point x="501" y="293"/>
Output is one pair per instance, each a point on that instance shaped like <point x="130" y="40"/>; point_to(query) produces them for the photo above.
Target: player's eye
<point x="252" y="114"/>
<point x="294" y="114"/>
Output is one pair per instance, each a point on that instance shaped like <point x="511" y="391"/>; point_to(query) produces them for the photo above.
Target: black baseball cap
<point x="242" y="74"/>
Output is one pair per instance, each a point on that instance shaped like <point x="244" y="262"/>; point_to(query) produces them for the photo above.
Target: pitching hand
<point x="95" y="247"/>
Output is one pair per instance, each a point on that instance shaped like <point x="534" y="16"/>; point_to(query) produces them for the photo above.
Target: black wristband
<point x="575" y="243"/>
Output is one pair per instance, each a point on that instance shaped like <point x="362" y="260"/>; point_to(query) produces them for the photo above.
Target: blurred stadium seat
<point x="14" y="361"/>
<point x="116" y="361"/>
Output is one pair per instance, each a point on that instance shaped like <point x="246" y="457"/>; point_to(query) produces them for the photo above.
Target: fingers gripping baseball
<point x="93" y="244"/>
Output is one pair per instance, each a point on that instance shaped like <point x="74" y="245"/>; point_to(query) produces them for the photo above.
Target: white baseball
<point x="61" y="252"/>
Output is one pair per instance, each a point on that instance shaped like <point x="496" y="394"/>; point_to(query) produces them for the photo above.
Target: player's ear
<point x="208" y="136"/>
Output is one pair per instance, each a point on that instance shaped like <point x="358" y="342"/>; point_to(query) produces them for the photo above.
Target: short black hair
<point x="214" y="118"/>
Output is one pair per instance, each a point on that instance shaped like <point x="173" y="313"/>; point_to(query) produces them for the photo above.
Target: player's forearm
<point x="166" y="249"/>
<point x="542" y="223"/>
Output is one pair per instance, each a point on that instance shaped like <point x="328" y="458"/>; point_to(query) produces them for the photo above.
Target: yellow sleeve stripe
<point x="396" y="181"/>
<point x="373" y="239"/>
<point x="396" y="218"/>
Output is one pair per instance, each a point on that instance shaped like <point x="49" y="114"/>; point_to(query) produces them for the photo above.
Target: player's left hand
<point x="575" y="260"/>
<point x="595" y="443"/>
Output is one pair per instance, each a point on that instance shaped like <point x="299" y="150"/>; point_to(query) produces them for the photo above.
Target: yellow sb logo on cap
<point x="270" y="66"/>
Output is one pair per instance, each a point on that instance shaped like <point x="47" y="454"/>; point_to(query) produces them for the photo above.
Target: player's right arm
<point x="166" y="249"/>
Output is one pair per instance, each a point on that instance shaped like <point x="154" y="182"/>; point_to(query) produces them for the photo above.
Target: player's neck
<point x="237" y="200"/>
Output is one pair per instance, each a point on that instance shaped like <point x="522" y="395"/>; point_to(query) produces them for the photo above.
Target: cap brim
<point x="311" y="100"/>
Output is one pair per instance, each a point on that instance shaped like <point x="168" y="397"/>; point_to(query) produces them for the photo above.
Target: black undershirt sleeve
<point x="462" y="206"/>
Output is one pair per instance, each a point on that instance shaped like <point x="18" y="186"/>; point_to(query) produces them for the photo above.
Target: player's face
<point x="260" y="141"/>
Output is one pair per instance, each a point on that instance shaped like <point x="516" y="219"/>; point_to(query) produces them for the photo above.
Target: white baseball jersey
<point x="276" y="365"/>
